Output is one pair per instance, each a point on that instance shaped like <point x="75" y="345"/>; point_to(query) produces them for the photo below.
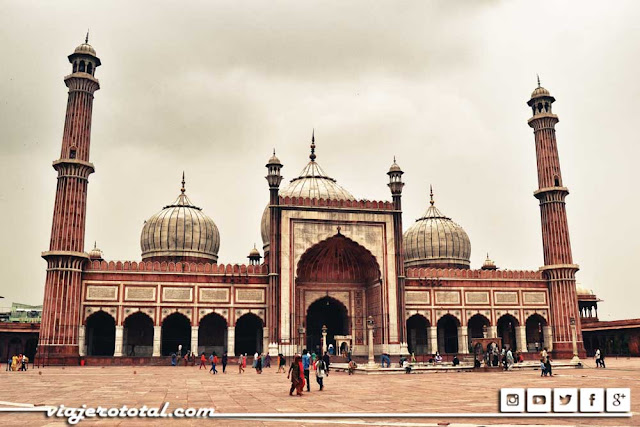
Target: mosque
<point x="333" y="268"/>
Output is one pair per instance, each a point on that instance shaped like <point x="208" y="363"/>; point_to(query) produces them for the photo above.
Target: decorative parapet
<point x="459" y="273"/>
<point x="178" y="267"/>
<point x="347" y="204"/>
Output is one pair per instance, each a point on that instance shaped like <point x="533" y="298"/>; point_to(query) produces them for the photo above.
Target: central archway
<point x="327" y="312"/>
<point x="176" y="331"/>
<point x="342" y="266"/>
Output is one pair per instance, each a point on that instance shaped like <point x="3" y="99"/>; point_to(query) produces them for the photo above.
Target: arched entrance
<point x="100" y="334"/>
<point x="176" y="331"/>
<point x="478" y="325"/>
<point x="14" y="347"/>
<point x="338" y="265"/>
<point x="212" y="334"/>
<point x="448" y="334"/>
<point x="507" y="325"/>
<point x="30" y="348"/>
<point x="417" y="334"/>
<point x="535" y="332"/>
<point x="330" y="313"/>
<point x="248" y="334"/>
<point x="138" y="335"/>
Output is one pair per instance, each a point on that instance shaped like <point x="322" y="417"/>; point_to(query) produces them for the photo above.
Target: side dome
<point x="180" y="232"/>
<point x="434" y="240"/>
<point x="312" y="183"/>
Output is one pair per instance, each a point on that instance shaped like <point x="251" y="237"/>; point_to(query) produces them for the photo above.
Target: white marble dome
<point x="434" y="240"/>
<point x="180" y="232"/>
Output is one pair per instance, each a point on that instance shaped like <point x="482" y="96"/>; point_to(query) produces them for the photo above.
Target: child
<point x="352" y="367"/>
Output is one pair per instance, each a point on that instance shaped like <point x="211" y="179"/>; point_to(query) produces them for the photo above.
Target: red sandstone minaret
<point x="58" y="342"/>
<point x="559" y="268"/>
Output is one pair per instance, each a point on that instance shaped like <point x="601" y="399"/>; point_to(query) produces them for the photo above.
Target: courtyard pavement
<point x="448" y="392"/>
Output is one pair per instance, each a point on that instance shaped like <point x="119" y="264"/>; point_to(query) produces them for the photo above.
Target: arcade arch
<point x="176" y="331"/>
<point x="248" y="337"/>
<point x="100" y="334"/>
<point x="138" y="335"/>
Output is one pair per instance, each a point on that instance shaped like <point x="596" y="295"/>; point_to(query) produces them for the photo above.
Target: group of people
<point x="300" y="370"/>
<point x="213" y="360"/>
<point x="17" y="362"/>
<point x="545" y="363"/>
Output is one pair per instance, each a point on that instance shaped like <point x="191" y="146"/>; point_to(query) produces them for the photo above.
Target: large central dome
<point x="312" y="183"/>
<point x="434" y="240"/>
<point x="180" y="232"/>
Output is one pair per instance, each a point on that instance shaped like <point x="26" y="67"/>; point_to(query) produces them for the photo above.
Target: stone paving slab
<point x="444" y="392"/>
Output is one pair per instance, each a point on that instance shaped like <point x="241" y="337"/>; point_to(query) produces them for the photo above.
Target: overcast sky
<point x="212" y="87"/>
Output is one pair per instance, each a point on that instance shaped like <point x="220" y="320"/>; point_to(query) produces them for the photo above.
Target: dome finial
<point x="312" y="156"/>
<point x="86" y="39"/>
<point x="431" y="194"/>
<point x="95" y="244"/>
<point x="538" y="76"/>
<point x="182" y="190"/>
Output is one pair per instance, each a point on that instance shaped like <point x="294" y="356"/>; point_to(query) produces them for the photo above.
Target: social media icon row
<point x="565" y="400"/>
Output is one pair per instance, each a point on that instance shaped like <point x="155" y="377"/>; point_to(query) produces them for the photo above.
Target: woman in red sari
<point x="296" y="374"/>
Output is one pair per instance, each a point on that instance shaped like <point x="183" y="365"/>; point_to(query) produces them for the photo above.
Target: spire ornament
<point x="431" y="194"/>
<point x="538" y="76"/>
<point x="86" y="39"/>
<point x="312" y="156"/>
<point x="182" y="190"/>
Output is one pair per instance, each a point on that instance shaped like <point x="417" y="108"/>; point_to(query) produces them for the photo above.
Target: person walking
<point x="241" y="363"/>
<point x="225" y="359"/>
<point x="547" y="362"/>
<point x="281" y="363"/>
<point x="321" y="370"/>
<point x="259" y="365"/>
<point x="327" y="361"/>
<point x="203" y="362"/>
<point x="296" y="375"/>
<point x="214" y="362"/>
<point x="306" y="363"/>
<point x="255" y="359"/>
<point x="244" y="362"/>
<point x="510" y="360"/>
<point x="267" y="361"/>
<point x="9" y="363"/>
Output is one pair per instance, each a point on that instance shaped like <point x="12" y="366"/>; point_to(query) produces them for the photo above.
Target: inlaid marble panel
<point x="177" y="294"/>
<point x="534" y="297"/>
<point x="447" y="297"/>
<point x="97" y="292"/>
<point x="214" y="294"/>
<point x="139" y="293"/>
<point x="477" y="297"/>
<point x="250" y="295"/>
<point x="417" y="297"/>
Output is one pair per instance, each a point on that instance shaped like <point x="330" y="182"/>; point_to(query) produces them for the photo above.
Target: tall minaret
<point x="395" y="185"/>
<point x="559" y="268"/>
<point x="58" y="342"/>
